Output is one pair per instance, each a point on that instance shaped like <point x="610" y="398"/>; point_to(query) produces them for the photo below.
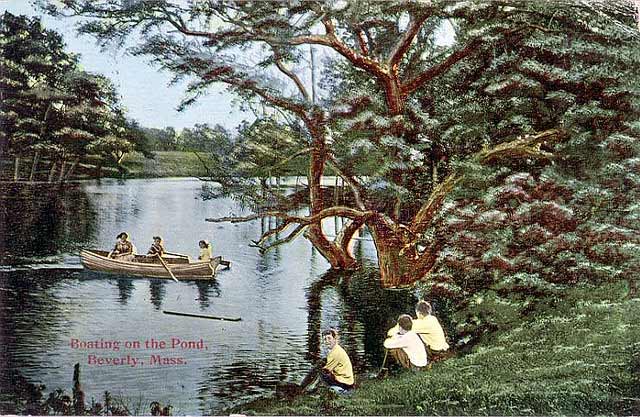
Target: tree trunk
<point x="98" y="173"/>
<point x="16" y="169"/>
<point x="393" y="95"/>
<point x="52" y="171"/>
<point x="71" y="169"/>
<point x="398" y="259"/>
<point x="34" y="166"/>
<point x="62" y="164"/>
<point x="334" y="253"/>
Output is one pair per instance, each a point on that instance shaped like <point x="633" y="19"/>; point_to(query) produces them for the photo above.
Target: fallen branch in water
<point x="202" y="316"/>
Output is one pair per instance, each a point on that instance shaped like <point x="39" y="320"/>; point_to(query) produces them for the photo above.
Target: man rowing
<point x="157" y="247"/>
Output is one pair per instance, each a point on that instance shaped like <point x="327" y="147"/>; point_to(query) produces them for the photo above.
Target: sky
<point x="145" y="91"/>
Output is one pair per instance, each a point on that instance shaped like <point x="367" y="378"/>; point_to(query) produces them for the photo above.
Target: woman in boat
<point x="157" y="248"/>
<point x="124" y="249"/>
<point x="206" y="252"/>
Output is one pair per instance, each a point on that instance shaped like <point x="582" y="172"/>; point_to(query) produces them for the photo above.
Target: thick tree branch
<point x="404" y="43"/>
<point x="362" y="41"/>
<point x="291" y="236"/>
<point x="346" y="233"/>
<point x="528" y="146"/>
<point x="360" y="61"/>
<point x="426" y="213"/>
<point x="437" y="70"/>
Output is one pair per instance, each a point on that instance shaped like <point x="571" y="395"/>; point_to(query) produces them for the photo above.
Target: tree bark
<point x="394" y="95"/>
<point x="397" y="255"/>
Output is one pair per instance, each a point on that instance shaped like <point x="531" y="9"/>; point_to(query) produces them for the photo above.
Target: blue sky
<point x="144" y="90"/>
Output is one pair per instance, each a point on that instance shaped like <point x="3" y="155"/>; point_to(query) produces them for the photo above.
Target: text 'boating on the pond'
<point x="101" y="351"/>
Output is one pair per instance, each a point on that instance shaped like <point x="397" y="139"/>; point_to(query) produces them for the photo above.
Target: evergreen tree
<point x="32" y="63"/>
<point x="49" y="106"/>
<point x="518" y="79"/>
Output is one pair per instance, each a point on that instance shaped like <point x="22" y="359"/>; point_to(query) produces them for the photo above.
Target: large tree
<point x="32" y="62"/>
<point x="517" y="78"/>
<point x="50" y="107"/>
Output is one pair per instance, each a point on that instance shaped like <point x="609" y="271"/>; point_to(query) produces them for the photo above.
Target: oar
<point x="167" y="268"/>
<point x="176" y="254"/>
<point x="202" y="316"/>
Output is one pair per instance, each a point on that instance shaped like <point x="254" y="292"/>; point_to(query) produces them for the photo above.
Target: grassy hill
<point x="166" y="164"/>
<point x="581" y="358"/>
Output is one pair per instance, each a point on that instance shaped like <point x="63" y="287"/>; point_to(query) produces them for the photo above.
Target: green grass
<point x="581" y="358"/>
<point x="166" y="164"/>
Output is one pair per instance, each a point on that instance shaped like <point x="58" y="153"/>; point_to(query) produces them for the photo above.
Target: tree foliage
<point x="49" y="105"/>
<point x="521" y="88"/>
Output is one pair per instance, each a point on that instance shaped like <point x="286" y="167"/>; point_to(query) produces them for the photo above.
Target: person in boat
<point x="428" y="328"/>
<point x="206" y="252"/>
<point x="157" y="248"/>
<point x="124" y="249"/>
<point x="405" y="346"/>
<point x="336" y="371"/>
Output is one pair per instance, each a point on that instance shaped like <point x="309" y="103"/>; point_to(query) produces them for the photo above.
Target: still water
<point x="284" y="298"/>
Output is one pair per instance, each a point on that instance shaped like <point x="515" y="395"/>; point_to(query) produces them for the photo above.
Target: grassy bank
<point x="582" y="358"/>
<point x="166" y="164"/>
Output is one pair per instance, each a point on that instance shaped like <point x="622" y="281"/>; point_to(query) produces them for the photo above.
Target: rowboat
<point x="181" y="266"/>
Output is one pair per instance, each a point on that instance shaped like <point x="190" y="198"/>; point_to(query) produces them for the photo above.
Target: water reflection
<point x="361" y="311"/>
<point x="43" y="221"/>
<point x="285" y="297"/>
<point x="157" y="292"/>
<point x="30" y="315"/>
<point x="206" y="290"/>
<point x="125" y="289"/>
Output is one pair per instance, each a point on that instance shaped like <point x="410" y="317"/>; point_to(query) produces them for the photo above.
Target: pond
<point x="50" y="308"/>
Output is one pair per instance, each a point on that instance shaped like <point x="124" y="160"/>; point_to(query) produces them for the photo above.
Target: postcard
<point x="301" y="207"/>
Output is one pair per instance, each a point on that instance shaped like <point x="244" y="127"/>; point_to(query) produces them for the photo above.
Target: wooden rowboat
<point x="147" y="266"/>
